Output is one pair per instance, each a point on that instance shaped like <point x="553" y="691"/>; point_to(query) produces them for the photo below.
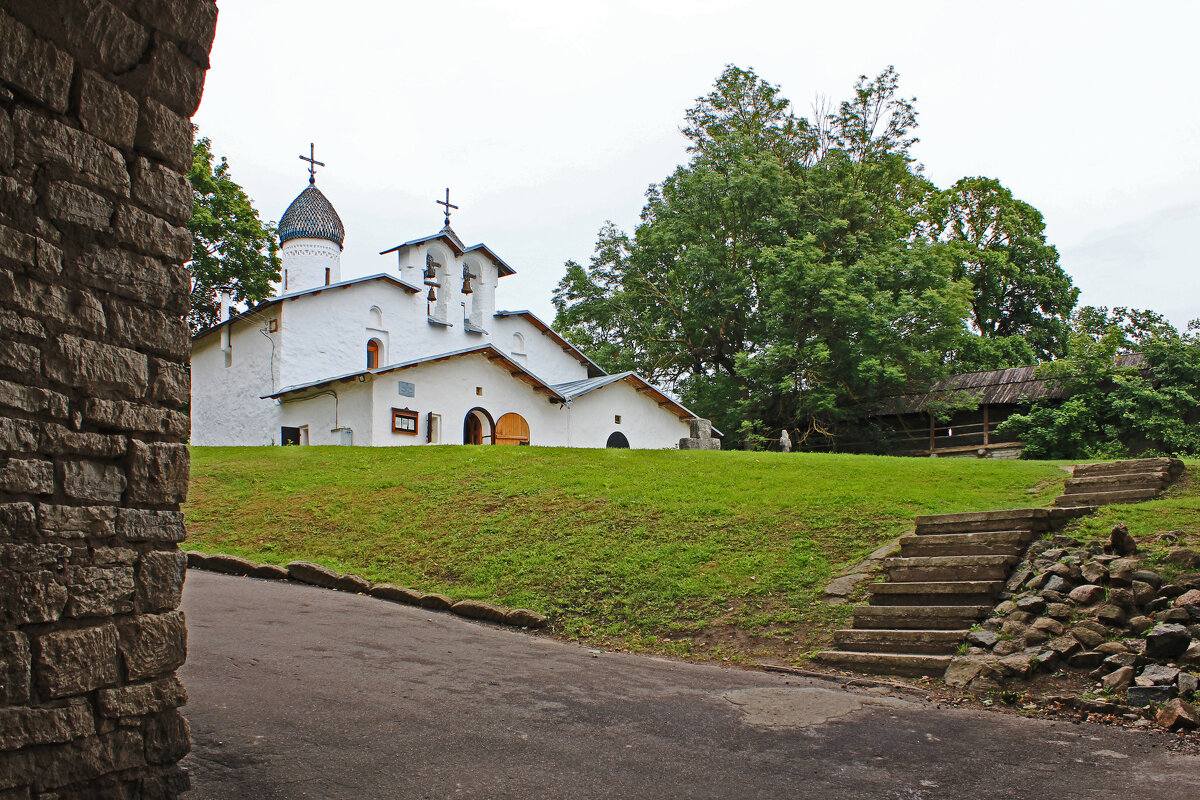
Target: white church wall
<point x="323" y="413"/>
<point x="226" y="406"/>
<point x="544" y="357"/>
<point x="644" y="423"/>
<point x="448" y="388"/>
<point x="305" y="261"/>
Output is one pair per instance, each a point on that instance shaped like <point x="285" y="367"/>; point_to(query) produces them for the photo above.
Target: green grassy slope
<point x="713" y="554"/>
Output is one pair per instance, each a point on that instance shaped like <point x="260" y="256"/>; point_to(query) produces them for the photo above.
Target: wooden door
<point x="512" y="429"/>
<point x="472" y="430"/>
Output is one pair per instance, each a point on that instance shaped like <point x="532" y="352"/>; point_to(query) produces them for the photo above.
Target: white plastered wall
<point x="328" y="409"/>
<point x="544" y="357"/>
<point x="226" y="406"/>
<point x="644" y="423"/>
<point x="304" y="261"/>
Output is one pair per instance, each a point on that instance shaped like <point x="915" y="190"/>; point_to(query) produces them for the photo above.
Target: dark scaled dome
<point x="311" y="216"/>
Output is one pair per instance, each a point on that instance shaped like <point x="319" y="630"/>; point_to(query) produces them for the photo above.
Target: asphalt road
<point x="303" y="692"/>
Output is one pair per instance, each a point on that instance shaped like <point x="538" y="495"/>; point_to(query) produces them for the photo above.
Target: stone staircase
<point x="1133" y="481"/>
<point x="951" y="570"/>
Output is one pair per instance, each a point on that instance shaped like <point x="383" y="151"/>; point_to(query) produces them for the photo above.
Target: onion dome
<point x="311" y="216"/>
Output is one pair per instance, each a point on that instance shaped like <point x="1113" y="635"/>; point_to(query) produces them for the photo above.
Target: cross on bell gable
<point x="448" y="205"/>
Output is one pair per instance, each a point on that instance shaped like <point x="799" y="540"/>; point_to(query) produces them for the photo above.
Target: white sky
<point x="547" y="118"/>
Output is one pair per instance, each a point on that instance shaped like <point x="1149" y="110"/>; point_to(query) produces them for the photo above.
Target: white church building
<point x="417" y="354"/>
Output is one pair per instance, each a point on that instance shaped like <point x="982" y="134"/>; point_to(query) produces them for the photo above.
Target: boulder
<point x="1111" y="648"/>
<point x="1005" y="608"/>
<point x="270" y="572"/>
<point x="1143" y="696"/>
<point x="1006" y="647"/>
<point x="1187" y="683"/>
<point x="317" y="575"/>
<point x="1110" y="615"/>
<point x="1167" y="640"/>
<point x="1085" y="659"/>
<point x="1050" y="626"/>
<point x="1059" y="611"/>
<point x="1170" y="590"/>
<point x="983" y="638"/>
<point x="1036" y="636"/>
<point x="1157" y="675"/>
<point x="1087" y="594"/>
<point x="1094" y="572"/>
<point x="1143" y="593"/>
<point x="1031" y="604"/>
<point x="1057" y="584"/>
<point x="1179" y="615"/>
<point x="477" y="609"/>
<point x="1189" y="598"/>
<point x="1064" y="646"/>
<point x="1178" y="715"/>
<point x="1121" y="542"/>
<point x="1148" y="576"/>
<point x="436" y="602"/>
<point x="964" y="669"/>
<point x="1121" y="597"/>
<point x="1120" y="572"/>
<point x="1188" y="580"/>
<point x="1086" y="636"/>
<point x="1192" y="654"/>
<point x="524" y="618"/>
<point x="1183" y="556"/>
<point x="396" y="594"/>
<point x="1118" y="679"/>
<point x="1018" y="665"/>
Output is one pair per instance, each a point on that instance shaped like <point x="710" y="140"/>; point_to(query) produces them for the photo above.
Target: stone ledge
<point x="323" y="577"/>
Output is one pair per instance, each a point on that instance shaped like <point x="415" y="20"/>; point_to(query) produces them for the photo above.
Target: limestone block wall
<point x="95" y="100"/>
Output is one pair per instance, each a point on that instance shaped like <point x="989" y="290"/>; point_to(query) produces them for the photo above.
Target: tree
<point x="231" y="247"/>
<point x="1114" y="408"/>
<point x="1021" y="298"/>
<point x="777" y="279"/>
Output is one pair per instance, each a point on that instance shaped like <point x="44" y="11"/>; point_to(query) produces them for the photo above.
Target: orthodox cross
<point x="447" y="204"/>
<point x="313" y="164"/>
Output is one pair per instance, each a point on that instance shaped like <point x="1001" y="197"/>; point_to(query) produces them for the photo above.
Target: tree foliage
<point x="1021" y="298"/>
<point x="1115" y="408"/>
<point x="796" y="271"/>
<point x="231" y="247"/>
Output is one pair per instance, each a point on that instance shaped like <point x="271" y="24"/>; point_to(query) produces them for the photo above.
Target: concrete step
<point x="891" y="640"/>
<point x="910" y="664"/>
<point x="1108" y="483"/>
<point x="949" y="568"/>
<point x="934" y="593"/>
<point x="986" y="543"/>
<point x="918" y="617"/>
<point x="1033" y="519"/>
<point x="1106" y="498"/>
<point x="1172" y="466"/>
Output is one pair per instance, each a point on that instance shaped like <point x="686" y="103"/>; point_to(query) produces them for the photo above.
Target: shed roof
<point x="1012" y="386"/>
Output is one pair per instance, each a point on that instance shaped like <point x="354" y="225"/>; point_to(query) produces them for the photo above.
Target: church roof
<point x="311" y="216"/>
<point x="594" y="370"/>
<point x="451" y="238"/>
<point x="573" y="389"/>
<point x="489" y="351"/>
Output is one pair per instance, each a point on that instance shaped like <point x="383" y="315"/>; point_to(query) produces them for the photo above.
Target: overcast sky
<point x="547" y="118"/>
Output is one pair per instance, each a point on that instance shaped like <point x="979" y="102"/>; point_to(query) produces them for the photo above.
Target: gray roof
<point x="447" y="235"/>
<point x="311" y="216"/>
<point x="573" y="389"/>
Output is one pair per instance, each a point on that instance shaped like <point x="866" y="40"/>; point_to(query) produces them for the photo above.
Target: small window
<point x="617" y="418"/>
<point x="433" y="428"/>
<point x="327" y="276"/>
<point x="285" y="280"/>
<point x="404" y="420"/>
<point x="518" y="345"/>
<point x="272" y="325"/>
<point x="373" y="354"/>
<point x="479" y="390"/>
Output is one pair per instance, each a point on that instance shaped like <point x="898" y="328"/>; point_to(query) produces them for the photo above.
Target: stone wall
<point x="95" y="100"/>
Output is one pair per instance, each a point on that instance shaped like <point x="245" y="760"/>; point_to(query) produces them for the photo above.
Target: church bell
<point x="432" y="296"/>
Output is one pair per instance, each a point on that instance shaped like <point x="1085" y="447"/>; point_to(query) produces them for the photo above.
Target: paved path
<point x="302" y="692"/>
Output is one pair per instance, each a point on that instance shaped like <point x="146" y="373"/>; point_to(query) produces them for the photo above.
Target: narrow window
<point x="617" y="418"/>
<point x="272" y="326"/>
<point x="327" y="276"/>
<point x="479" y="390"/>
<point x="285" y="280"/>
<point x="373" y="354"/>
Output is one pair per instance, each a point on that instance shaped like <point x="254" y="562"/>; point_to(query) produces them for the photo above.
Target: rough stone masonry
<point x="95" y="140"/>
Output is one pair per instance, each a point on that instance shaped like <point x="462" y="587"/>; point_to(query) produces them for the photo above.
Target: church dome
<point x="311" y="216"/>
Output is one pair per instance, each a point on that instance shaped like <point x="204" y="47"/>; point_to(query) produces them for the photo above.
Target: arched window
<point x="373" y="354"/>
<point x="376" y="317"/>
<point x="518" y="345"/>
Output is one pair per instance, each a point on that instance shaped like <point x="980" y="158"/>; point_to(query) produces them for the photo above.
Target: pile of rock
<point x="1094" y="608"/>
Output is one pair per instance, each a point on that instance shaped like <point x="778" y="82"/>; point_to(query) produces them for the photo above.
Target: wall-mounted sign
<point x="404" y="420"/>
<point x="407" y="389"/>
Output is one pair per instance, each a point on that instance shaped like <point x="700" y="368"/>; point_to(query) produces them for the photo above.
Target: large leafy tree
<point x="232" y="249"/>
<point x="1021" y="298"/>
<point x="780" y="278"/>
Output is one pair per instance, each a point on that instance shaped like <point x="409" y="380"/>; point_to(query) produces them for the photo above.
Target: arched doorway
<point x="512" y="429"/>
<point x="617" y="440"/>
<point x="478" y="427"/>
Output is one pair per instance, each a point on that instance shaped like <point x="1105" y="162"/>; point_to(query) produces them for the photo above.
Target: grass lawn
<point x="700" y="554"/>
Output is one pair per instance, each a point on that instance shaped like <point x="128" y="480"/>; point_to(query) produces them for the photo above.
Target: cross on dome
<point x="448" y="205"/>
<point x="313" y="164"/>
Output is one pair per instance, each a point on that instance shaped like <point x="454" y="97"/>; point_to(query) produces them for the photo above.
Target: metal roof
<point x="594" y="369"/>
<point x="311" y="216"/>
<point x="447" y="235"/>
